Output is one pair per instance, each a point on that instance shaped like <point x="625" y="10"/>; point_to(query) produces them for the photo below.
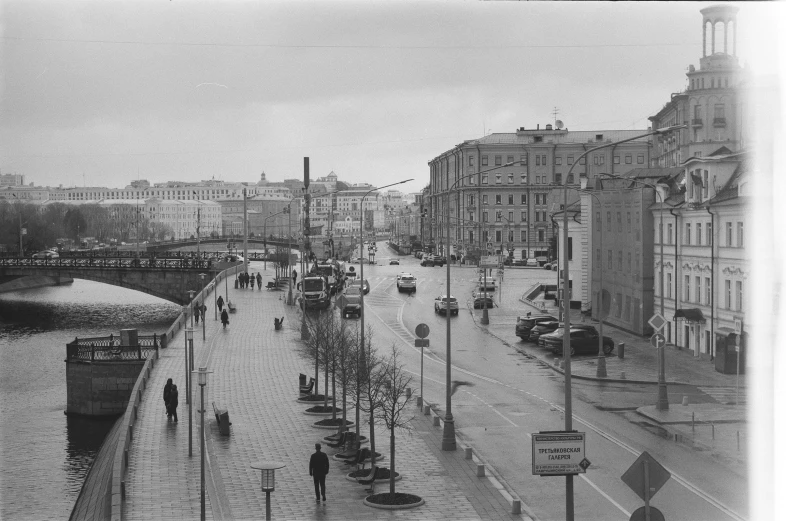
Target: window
<point x="537" y="160"/>
<point x="510" y="217"/>
<point x="537" y="180"/>
<point x="583" y="161"/>
<point x="471" y="216"/>
<point x="485" y="199"/>
<point x="510" y="198"/>
<point x="697" y="112"/>
<point x="570" y="179"/>
<point x="637" y="263"/>
<point x="706" y="184"/>
<point x="485" y="217"/>
<point x="727" y="283"/>
<point x="541" y="235"/>
<point x="498" y="235"/>
<point x="558" y="179"/>
<point x="523" y="179"/>
<point x="498" y="199"/>
<point x="558" y="160"/>
<point x="484" y="160"/>
<point x="485" y="236"/>
<point x="523" y="236"/>
<point x="668" y="285"/>
<point x="627" y="308"/>
<point x="629" y="223"/>
<point x="720" y="111"/>
<point x="510" y="179"/>
<point x="543" y="160"/>
<point x="510" y="159"/>
<point x="618" y="311"/>
<point x="616" y="160"/>
<point x="471" y="160"/>
<point x="687" y="288"/>
<point x="472" y="180"/>
<point x="499" y="178"/>
<point x="570" y="160"/>
<point x="698" y="234"/>
<point x="640" y="159"/>
<point x="619" y="221"/>
<point x="471" y="200"/>
<point x="471" y="237"/>
<point x="523" y="198"/>
<point x="628" y="159"/>
<point x="608" y="221"/>
<point x="619" y="260"/>
<point x="485" y="179"/>
<point x="609" y="260"/>
<point x="739" y="295"/>
<point x="709" y="234"/>
<point x="523" y="159"/>
<point x="698" y="290"/>
<point x="630" y="262"/>
<point x="669" y="234"/>
<point x="598" y="223"/>
<point x="523" y="216"/>
<point x="707" y="290"/>
<point x="728" y="234"/>
<point x="497" y="160"/>
<point x="686" y="239"/>
<point x="739" y="234"/>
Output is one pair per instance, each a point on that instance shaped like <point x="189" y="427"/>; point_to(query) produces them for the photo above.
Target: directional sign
<point x="634" y="476"/>
<point x="658" y="340"/>
<point x="558" y="453"/>
<point x="657" y="322"/>
<point x="422" y="342"/>
<point x="422" y="330"/>
<point x="489" y="261"/>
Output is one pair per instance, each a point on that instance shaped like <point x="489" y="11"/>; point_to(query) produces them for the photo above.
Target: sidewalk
<point x="255" y="376"/>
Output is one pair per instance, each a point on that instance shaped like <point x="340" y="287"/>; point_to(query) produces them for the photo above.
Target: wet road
<point x="502" y="396"/>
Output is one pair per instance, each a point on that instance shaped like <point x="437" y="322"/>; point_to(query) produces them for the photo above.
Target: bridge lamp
<point x="268" y="469"/>
<point x="202" y="381"/>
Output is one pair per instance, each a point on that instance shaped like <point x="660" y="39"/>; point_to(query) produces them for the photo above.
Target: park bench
<point x="222" y="417"/>
<point x="231" y="306"/>
<point x="270" y="285"/>
<point x="337" y="436"/>
<point x="334" y="444"/>
<point x="372" y="477"/>
<point x="307" y="389"/>
<point x="360" y="459"/>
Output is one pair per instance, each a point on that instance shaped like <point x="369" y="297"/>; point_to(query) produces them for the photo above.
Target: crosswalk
<point x="725" y="395"/>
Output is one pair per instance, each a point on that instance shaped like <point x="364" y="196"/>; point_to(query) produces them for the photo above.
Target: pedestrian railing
<point x="110" y="348"/>
<point x="91" y="263"/>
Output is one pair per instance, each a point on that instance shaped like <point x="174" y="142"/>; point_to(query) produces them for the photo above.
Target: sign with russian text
<point x="558" y="453"/>
<point x="489" y="261"/>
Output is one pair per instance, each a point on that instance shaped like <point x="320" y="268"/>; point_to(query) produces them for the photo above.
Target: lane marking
<point x="593" y="485"/>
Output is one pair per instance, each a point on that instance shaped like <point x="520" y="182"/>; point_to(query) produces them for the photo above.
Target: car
<point x="520" y="262"/>
<point x="393" y="262"/>
<point x="524" y="325"/>
<point x="439" y="260"/>
<point x="364" y="286"/>
<point x="549" y="329"/>
<point x="352" y="307"/>
<point x="441" y="305"/>
<point x="583" y="340"/>
<point x="406" y="282"/>
<point x="46" y="254"/>
<point x="480" y="296"/>
<point x="487" y="283"/>
<point x="417" y="253"/>
<point x="427" y="260"/>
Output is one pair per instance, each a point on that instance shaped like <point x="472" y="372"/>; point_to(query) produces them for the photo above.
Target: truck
<point x="330" y="269"/>
<point x="316" y="292"/>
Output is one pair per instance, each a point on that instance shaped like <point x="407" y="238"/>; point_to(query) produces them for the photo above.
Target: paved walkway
<point x="255" y="375"/>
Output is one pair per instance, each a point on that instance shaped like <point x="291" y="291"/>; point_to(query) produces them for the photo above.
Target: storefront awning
<point x="690" y="315"/>
<point x="725" y="331"/>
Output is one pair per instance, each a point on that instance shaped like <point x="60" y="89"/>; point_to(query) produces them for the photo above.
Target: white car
<point x="441" y="305"/>
<point x="490" y="283"/>
<point x="406" y="282"/>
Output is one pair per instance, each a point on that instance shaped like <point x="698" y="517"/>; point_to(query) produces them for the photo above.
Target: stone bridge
<point x="169" y="279"/>
<point x="255" y="242"/>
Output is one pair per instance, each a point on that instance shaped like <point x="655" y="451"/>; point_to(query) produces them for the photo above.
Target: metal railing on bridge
<point x="92" y="262"/>
<point x="110" y="348"/>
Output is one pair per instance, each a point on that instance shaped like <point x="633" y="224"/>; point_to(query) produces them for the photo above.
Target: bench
<point x="339" y="433"/>
<point x="231" y="306"/>
<point x="372" y="477"/>
<point x="334" y="444"/>
<point x="360" y="459"/>
<point x="222" y="417"/>
<point x="307" y="389"/>
<point x="270" y="285"/>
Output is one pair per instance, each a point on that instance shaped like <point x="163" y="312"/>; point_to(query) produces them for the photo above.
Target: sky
<point x="100" y="93"/>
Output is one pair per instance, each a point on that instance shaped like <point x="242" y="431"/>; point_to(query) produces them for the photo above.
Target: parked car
<point x="520" y="262"/>
<point x="439" y="260"/>
<point x="524" y="325"/>
<point x="441" y="305"/>
<point x="583" y="340"/>
<point x="540" y="330"/>
<point x="393" y="262"/>
<point x="479" y="296"/>
<point x="541" y="339"/>
<point x="417" y="253"/>
<point x="352" y="307"/>
<point x="406" y="282"/>
<point x="489" y="284"/>
<point x="427" y="260"/>
<point x="46" y="254"/>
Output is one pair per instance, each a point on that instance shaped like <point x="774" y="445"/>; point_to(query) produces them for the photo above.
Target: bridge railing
<point x="110" y="348"/>
<point x="152" y="263"/>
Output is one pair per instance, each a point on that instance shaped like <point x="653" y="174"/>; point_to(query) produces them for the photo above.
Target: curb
<point x="393" y="507"/>
<point x="329" y="413"/>
<point x="397" y="478"/>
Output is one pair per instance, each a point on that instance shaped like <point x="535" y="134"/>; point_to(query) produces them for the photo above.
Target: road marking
<point x="593" y="485"/>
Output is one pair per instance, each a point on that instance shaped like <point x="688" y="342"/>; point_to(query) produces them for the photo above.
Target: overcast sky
<point x="105" y="92"/>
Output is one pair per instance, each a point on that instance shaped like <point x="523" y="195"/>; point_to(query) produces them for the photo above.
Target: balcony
<point x="697" y="122"/>
<point x="719" y="122"/>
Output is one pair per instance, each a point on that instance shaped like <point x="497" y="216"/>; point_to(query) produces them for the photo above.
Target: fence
<point x="109" y="348"/>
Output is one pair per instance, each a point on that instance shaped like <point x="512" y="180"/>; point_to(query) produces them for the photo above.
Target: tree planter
<point x="398" y="501"/>
<point x="363" y="439"/>
<point x="362" y="473"/>
<point x="341" y="457"/>
<point x="314" y="398"/>
<point x="328" y="424"/>
<point x="320" y="410"/>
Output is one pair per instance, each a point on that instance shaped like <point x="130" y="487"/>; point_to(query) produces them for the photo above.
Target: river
<point x="44" y="454"/>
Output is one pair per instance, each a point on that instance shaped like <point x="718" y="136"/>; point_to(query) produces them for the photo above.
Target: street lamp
<point x="264" y="239"/>
<point x="268" y="469"/>
<point x="663" y="395"/>
<point x="566" y="298"/>
<point x="449" y="431"/>
<point x="189" y="346"/>
<point x="202" y="298"/>
<point x="202" y="381"/>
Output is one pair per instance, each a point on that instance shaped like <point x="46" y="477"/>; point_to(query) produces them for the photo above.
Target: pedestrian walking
<point x="259" y="281"/>
<point x="203" y="309"/>
<point x="167" y="393"/>
<point x="252" y="280"/>
<point x="220" y="303"/>
<point x="245" y="279"/>
<point x="196" y="312"/>
<point x="294" y="278"/>
<point x="224" y="318"/>
<point x="318" y="468"/>
<point x="173" y="402"/>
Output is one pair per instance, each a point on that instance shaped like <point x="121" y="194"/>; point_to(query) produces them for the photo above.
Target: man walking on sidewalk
<point x="318" y="468"/>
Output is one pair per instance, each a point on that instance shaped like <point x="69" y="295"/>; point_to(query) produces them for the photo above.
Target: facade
<point x="12" y="180"/>
<point x="183" y="217"/>
<point x="508" y="186"/>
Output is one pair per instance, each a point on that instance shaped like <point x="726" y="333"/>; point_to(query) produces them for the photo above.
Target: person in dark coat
<point x="252" y="279"/>
<point x="173" y="402"/>
<point x="259" y="281"/>
<point x="224" y="318"/>
<point x="167" y="392"/>
<point x="318" y="468"/>
<point x="220" y="303"/>
<point x="294" y="277"/>
<point x="202" y="310"/>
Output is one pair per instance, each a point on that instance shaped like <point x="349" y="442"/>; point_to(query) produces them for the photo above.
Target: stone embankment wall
<point x="100" y="388"/>
<point x="21" y="283"/>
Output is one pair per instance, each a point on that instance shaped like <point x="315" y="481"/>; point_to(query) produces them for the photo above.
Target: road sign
<point x="558" y="453"/>
<point x="658" y="340"/>
<point x="738" y="326"/>
<point x="341" y="301"/>
<point x="489" y="261"/>
<point x="634" y="476"/>
<point x="641" y="515"/>
<point x="422" y="342"/>
<point x="422" y="330"/>
<point x="657" y="322"/>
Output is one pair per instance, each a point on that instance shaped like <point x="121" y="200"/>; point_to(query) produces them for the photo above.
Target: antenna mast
<point x="555" y="113"/>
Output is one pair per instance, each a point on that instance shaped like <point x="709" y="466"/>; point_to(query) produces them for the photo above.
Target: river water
<point x="44" y="454"/>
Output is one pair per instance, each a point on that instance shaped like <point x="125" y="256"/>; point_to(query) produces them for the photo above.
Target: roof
<point x="731" y="189"/>
<point x="654" y="173"/>
<point x="558" y="137"/>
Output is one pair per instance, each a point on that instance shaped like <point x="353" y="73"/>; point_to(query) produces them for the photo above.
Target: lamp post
<point x="202" y="298"/>
<point x="245" y="233"/>
<point x="268" y="469"/>
<point x="190" y="309"/>
<point x="215" y="292"/>
<point x="202" y="381"/>
<point x="189" y="347"/>
<point x="566" y="300"/>
<point x="264" y="240"/>
<point x="663" y="395"/>
<point x="449" y="431"/>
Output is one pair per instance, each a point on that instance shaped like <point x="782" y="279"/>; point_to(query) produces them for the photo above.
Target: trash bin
<point x="223" y="422"/>
<point x="621" y="350"/>
<point x="235" y="283"/>
<point x="302" y="380"/>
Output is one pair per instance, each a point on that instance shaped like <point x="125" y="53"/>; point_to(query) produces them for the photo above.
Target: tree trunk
<point x="371" y="435"/>
<point x="334" y="393"/>
<point x="392" y="461"/>
<point x="327" y="381"/>
<point x="316" y="373"/>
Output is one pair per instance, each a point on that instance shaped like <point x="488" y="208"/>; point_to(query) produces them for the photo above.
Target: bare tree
<point x="370" y="379"/>
<point x="393" y="401"/>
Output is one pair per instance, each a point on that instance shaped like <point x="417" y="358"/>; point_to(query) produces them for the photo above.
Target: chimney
<point x="538" y="127"/>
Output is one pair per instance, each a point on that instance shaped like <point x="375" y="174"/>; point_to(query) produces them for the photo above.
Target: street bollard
<point x="621" y="350"/>
<point x="467" y="452"/>
<point x="436" y="421"/>
<point x="481" y="472"/>
<point x="427" y="410"/>
<point x="420" y="402"/>
<point x="516" y="508"/>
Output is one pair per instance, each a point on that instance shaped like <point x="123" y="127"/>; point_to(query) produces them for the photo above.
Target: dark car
<point x="541" y="339"/>
<point x="583" y="341"/>
<point x="539" y="331"/>
<point x="524" y="325"/>
<point x="439" y="260"/>
<point x="393" y="262"/>
<point x="478" y="296"/>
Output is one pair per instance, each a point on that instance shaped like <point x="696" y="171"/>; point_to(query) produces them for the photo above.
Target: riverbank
<point x="33" y="282"/>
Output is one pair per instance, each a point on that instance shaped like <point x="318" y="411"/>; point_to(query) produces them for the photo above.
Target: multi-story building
<point x="506" y="187"/>
<point x="12" y="180"/>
